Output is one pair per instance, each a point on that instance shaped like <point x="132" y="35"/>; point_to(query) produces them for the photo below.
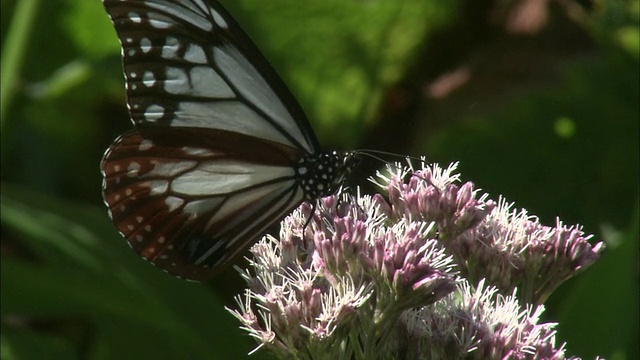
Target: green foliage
<point x="71" y="287"/>
<point x="342" y="56"/>
<point x="598" y="156"/>
<point x="80" y="278"/>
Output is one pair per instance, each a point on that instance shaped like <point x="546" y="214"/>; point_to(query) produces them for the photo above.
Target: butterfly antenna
<point x="374" y="154"/>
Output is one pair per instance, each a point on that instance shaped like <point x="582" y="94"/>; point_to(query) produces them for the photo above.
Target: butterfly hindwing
<point x="189" y="208"/>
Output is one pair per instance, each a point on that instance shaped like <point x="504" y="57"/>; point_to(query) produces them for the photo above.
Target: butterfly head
<point x="323" y="174"/>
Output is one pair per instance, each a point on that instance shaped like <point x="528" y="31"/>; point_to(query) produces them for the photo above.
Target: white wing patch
<point x="255" y="89"/>
<point x="153" y="113"/>
<point x="169" y="169"/>
<point x="148" y="79"/>
<point x="228" y="115"/>
<point x="145" y="45"/>
<point x="145" y="145"/>
<point x="158" y="187"/>
<point x="134" y="17"/>
<point x="159" y="21"/>
<point x="170" y="48"/>
<point x="200" y="207"/>
<point x="173" y="202"/>
<point x="195" y="54"/>
<point x="201" y="81"/>
<point x="219" y="20"/>
<point x="217" y="178"/>
<point x="198" y="8"/>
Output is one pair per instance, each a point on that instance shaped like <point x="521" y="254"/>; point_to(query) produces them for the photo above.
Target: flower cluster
<point x="514" y="250"/>
<point x="486" y="325"/>
<point x="403" y="276"/>
<point x="509" y="248"/>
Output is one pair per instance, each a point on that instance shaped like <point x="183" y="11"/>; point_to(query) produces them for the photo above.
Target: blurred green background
<point x="538" y="100"/>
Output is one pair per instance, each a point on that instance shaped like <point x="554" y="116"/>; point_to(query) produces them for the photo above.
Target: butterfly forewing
<point x="187" y="63"/>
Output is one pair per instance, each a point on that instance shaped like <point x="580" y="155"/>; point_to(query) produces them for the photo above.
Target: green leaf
<point x="76" y="267"/>
<point x="338" y="57"/>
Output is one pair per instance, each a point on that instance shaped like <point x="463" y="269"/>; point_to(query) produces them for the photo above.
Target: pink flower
<point x="369" y="277"/>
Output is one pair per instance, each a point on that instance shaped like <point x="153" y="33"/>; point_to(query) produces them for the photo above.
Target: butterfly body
<point x="221" y="149"/>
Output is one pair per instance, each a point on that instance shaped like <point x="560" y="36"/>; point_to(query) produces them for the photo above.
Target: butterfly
<point x="221" y="150"/>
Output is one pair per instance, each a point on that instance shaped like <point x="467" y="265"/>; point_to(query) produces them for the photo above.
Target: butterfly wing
<point x="187" y="63"/>
<point x="211" y="164"/>
<point x="191" y="208"/>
